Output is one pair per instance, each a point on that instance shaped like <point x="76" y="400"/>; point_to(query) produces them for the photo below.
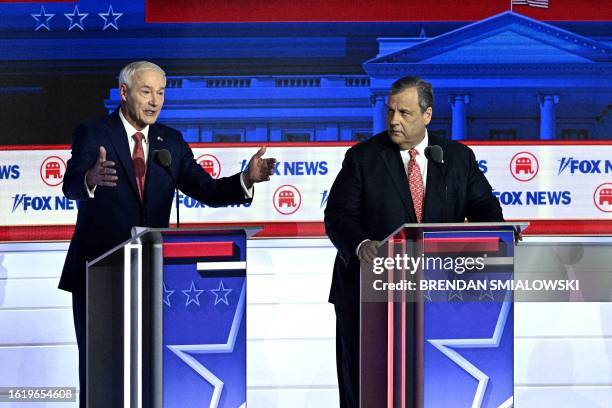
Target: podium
<point x="166" y="320"/>
<point x="436" y="318"/>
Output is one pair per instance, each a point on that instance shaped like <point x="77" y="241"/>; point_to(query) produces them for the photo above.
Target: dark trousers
<point x="79" y="313"/>
<point x="347" y="356"/>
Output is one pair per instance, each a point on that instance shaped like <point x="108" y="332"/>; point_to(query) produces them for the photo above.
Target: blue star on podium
<point x="193" y="294"/>
<point x="448" y="346"/>
<point x="110" y="18"/>
<point x="223" y="296"/>
<point x="76" y="19"/>
<point x="42" y="19"/>
<point x="186" y="352"/>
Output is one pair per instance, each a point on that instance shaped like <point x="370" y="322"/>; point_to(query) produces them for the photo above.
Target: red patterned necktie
<point x="415" y="182"/>
<point x="138" y="161"/>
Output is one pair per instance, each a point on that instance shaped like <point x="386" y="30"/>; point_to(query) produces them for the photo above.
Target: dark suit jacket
<point x="106" y="220"/>
<point x="370" y="199"/>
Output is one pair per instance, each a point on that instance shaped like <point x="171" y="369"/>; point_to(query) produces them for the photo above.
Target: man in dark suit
<point x="385" y="182"/>
<point x="119" y="181"/>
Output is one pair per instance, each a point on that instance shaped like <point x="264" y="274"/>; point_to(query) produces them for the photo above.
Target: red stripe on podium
<point x="462" y="244"/>
<point x="198" y="249"/>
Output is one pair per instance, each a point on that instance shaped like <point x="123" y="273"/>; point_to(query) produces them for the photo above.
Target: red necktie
<point x="415" y="182"/>
<point x="138" y="161"/>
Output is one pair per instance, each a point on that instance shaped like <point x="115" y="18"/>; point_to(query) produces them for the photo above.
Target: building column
<point x="379" y="114"/>
<point x="548" y="123"/>
<point x="459" y="105"/>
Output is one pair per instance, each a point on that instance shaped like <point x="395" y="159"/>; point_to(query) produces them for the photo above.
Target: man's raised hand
<point x="102" y="173"/>
<point x="259" y="169"/>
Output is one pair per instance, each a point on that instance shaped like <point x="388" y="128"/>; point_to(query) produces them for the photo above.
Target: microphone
<point x="435" y="154"/>
<point x="164" y="158"/>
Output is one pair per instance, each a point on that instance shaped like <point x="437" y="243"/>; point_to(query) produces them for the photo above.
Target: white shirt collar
<point x="424" y="143"/>
<point x="420" y="148"/>
<point x="130" y="130"/>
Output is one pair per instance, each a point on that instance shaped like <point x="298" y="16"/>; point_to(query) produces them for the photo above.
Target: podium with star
<point x="436" y="324"/>
<point x="166" y="320"/>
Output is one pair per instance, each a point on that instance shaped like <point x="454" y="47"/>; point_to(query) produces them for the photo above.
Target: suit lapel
<point x="393" y="162"/>
<point x="122" y="149"/>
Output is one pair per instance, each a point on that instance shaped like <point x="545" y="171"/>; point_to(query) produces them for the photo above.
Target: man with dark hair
<point x="423" y="89"/>
<point x="119" y="183"/>
<point x="385" y="182"/>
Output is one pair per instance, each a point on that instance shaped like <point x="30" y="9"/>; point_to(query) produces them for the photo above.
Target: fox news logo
<point x="541" y="197"/>
<point x="27" y="202"/>
<point x="189" y="202"/>
<point x="573" y="166"/>
<point x="297" y="168"/>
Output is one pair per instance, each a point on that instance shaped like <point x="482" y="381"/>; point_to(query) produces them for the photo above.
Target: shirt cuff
<point x="90" y="191"/>
<point x="248" y="192"/>
<point x="359" y="246"/>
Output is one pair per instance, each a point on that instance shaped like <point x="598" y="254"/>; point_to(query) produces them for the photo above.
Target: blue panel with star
<point x="468" y="346"/>
<point x="204" y="337"/>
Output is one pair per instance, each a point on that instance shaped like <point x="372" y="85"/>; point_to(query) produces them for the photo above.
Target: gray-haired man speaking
<point x="119" y="183"/>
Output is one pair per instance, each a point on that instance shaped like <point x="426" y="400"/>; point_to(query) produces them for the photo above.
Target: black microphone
<point x="164" y="158"/>
<point x="435" y="154"/>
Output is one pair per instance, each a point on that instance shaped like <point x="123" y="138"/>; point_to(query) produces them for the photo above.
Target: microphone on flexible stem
<point x="164" y="158"/>
<point x="435" y="154"/>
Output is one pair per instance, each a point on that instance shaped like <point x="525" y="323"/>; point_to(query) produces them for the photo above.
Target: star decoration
<point x="486" y="293"/>
<point x="110" y="18"/>
<point x="167" y="294"/>
<point x="455" y="294"/>
<point x="191" y="298"/>
<point x="448" y="346"/>
<point x="76" y="19"/>
<point x="184" y="352"/>
<point x="223" y="296"/>
<point x="42" y="19"/>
